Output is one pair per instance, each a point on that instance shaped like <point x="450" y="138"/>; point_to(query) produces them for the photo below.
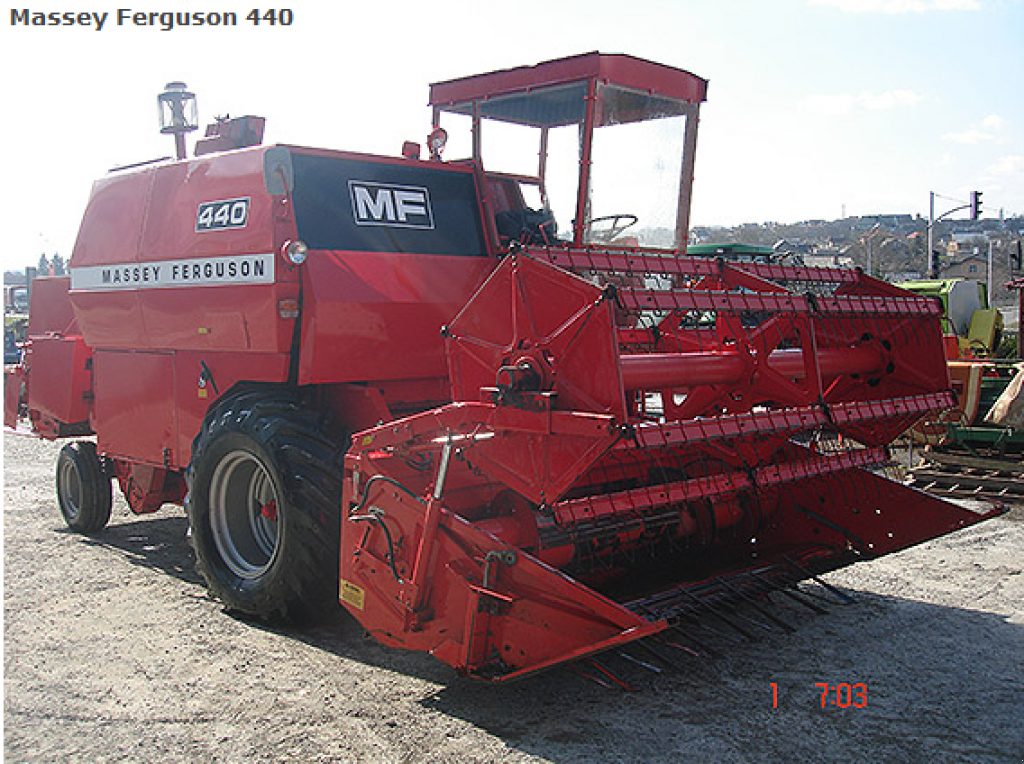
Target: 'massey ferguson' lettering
<point x="233" y="270"/>
<point x="383" y="204"/>
<point x="28" y="17"/>
<point x="137" y="274"/>
<point x="208" y="271"/>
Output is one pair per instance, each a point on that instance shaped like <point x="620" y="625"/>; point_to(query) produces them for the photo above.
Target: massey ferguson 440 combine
<point x="501" y="413"/>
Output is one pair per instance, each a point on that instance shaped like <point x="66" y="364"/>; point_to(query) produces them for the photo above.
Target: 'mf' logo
<point x="390" y="205"/>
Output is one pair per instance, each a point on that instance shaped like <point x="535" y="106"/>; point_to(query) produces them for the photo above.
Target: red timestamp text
<point x="840" y="695"/>
<point x="843" y="695"/>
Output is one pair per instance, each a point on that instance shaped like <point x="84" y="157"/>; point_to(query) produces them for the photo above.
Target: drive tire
<point x="83" y="488"/>
<point x="263" y="503"/>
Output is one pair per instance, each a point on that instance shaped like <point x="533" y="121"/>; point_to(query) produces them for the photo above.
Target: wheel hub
<point x="244" y="514"/>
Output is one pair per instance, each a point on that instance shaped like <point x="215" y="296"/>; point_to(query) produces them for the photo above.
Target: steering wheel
<point x="619" y="223"/>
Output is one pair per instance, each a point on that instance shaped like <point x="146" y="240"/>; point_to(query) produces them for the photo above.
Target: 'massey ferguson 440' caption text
<point x="165" y="21"/>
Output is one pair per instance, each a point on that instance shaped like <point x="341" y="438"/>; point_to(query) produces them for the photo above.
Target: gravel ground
<point x="114" y="652"/>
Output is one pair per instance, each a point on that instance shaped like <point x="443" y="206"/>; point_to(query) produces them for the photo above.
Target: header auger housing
<point x="518" y="445"/>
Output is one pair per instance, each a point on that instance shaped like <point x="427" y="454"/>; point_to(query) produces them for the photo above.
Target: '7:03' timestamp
<point x="842" y="695"/>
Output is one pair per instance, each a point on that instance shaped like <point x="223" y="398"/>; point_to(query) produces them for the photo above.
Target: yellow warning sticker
<point x="367" y="440"/>
<point x="352" y="594"/>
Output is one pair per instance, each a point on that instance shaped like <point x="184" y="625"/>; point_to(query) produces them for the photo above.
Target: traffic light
<point x="975" y="205"/>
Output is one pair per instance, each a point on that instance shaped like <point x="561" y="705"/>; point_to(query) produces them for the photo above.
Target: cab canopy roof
<point x="553" y="93"/>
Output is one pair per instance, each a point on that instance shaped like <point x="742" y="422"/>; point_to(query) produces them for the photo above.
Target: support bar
<point x="665" y="371"/>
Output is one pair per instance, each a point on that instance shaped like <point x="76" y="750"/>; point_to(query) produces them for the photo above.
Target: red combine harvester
<point x="519" y="443"/>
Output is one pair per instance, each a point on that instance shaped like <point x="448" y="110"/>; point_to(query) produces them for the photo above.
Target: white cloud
<point x="970" y="137"/>
<point x="980" y="132"/>
<point x="890" y="99"/>
<point x="893" y="7"/>
<point x="841" y="104"/>
<point x="1011" y="164"/>
<point x="994" y="122"/>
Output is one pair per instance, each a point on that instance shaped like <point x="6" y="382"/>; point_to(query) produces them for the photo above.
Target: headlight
<point x="295" y="251"/>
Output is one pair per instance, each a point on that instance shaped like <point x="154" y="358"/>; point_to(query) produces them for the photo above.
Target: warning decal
<point x="352" y="594"/>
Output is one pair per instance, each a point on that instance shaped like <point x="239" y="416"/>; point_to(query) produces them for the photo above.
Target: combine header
<point x="565" y="439"/>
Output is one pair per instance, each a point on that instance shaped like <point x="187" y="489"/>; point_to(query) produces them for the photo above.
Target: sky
<point x="816" y="108"/>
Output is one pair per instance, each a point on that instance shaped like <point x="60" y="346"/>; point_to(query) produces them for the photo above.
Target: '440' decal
<point x="228" y="213"/>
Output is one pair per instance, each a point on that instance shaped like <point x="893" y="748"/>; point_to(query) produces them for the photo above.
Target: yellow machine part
<point x="983" y="334"/>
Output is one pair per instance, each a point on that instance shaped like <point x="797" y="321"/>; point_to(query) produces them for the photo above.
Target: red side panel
<point x="185" y="256"/>
<point x="135" y="413"/>
<point x="60" y="381"/>
<point x="205" y="311"/>
<point x="14" y="383"/>
<point x="195" y="392"/>
<point x="178" y="190"/>
<point x="59" y="360"/>
<point x="378" y="316"/>
<point x="50" y="311"/>
<point x="109" y="233"/>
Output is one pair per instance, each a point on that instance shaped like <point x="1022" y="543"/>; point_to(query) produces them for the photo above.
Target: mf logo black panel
<point x="371" y="204"/>
<point x="390" y="205"/>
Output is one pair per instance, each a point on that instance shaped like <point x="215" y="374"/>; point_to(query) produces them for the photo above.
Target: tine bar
<point x="757" y="606"/>
<point x="711" y="652"/>
<point x="751" y="620"/>
<point x="596" y="680"/>
<point x="669" y="663"/>
<point x="693" y="620"/>
<point x="622" y="683"/>
<point x="721" y="616"/>
<point x="644" y="664"/>
<point x="807" y="574"/>
<point x="788" y="592"/>
<point x="683" y="648"/>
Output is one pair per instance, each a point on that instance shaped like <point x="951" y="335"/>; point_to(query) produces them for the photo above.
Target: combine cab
<point x="498" y="397"/>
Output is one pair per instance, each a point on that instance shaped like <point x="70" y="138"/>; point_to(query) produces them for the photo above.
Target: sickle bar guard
<point x="626" y="430"/>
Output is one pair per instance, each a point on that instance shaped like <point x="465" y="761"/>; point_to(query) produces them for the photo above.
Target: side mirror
<point x="278" y="175"/>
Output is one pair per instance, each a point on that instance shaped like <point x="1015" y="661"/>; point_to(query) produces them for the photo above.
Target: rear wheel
<point x="83" y="489"/>
<point x="263" y="504"/>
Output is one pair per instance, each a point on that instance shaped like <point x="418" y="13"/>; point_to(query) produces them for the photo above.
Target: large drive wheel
<point x="263" y="504"/>
<point x="83" y="488"/>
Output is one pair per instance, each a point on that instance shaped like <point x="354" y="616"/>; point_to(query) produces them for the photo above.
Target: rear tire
<point x="83" y="489"/>
<point x="264" y="501"/>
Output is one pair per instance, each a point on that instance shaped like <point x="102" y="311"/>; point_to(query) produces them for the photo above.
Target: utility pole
<point x="974" y="205"/>
<point x="931" y="224"/>
<point x="990" y="271"/>
<point x="869" y="240"/>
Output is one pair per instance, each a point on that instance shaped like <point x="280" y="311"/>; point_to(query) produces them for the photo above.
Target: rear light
<point x="295" y="251"/>
<point x="288" y="308"/>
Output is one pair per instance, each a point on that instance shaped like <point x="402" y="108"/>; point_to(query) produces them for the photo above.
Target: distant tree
<point x="57" y="262"/>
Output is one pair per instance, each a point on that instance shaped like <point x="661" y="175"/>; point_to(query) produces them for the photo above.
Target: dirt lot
<point x="114" y="652"/>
